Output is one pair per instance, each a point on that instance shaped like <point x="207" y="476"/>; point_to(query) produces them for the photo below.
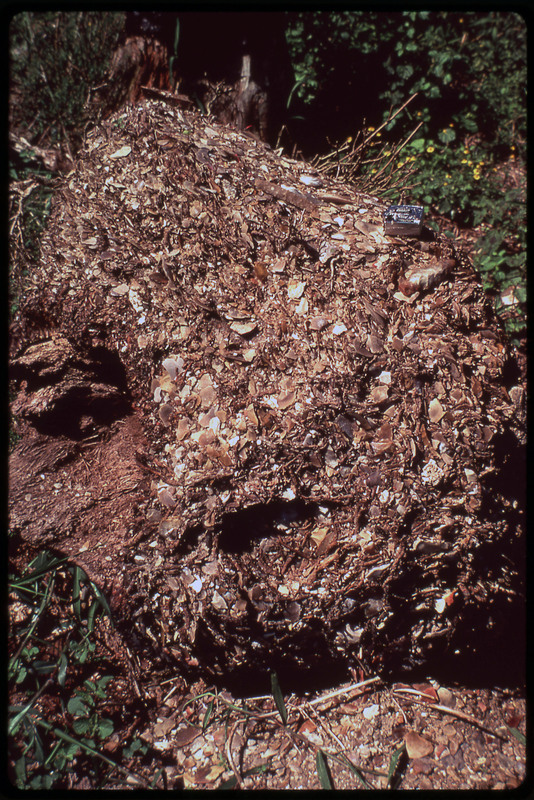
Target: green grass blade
<point x="278" y="697"/>
<point x="208" y="715"/>
<point x="229" y="783"/>
<point x="85" y="746"/>
<point x="323" y="771"/>
<point x="78" y="576"/>
<point x="14" y="723"/>
<point x="101" y="598"/>
<point x="38" y="749"/>
<point x="52" y="755"/>
<point x="394" y="763"/>
<point x="39" y="567"/>
<point x="518" y="735"/>
<point x="156" y="778"/>
<point x="355" y="771"/>
<point x="91" y="616"/>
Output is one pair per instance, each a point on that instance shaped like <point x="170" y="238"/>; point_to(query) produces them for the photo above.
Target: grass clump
<point x="59" y="692"/>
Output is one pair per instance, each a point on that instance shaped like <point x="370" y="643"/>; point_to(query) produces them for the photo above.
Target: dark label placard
<point x="403" y="220"/>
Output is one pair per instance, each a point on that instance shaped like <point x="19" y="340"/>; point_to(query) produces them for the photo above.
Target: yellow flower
<point x="349" y="140"/>
<point x="419" y="113"/>
<point x="378" y="133"/>
<point x="430" y="149"/>
<point x="449" y="176"/>
<point x="451" y="125"/>
<point x="466" y="150"/>
<point x="476" y="176"/>
<point x="371" y="129"/>
<point x="464" y="160"/>
<point x="387" y="153"/>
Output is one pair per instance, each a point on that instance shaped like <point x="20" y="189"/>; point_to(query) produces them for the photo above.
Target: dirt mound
<point x="276" y="437"/>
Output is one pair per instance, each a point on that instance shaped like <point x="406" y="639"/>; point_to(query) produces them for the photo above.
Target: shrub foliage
<point x="55" y="57"/>
<point x="468" y="71"/>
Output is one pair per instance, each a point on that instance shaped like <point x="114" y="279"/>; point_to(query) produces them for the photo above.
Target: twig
<point x="344" y="691"/>
<point x="170" y="694"/>
<point x="397" y="151"/>
<point x="69" y="151"/>
<point x="446" y="710"/>
<point x="390" y="119"/>
<point x="332" y="273"/>
<point x="346" y="159"/>
<point x="324" y="726"/>
<point x="405" y="718"/>
<point x="341" y="759"/>
<point x="228" y="749"/>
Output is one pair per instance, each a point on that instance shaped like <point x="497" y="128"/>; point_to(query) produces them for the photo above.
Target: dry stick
<point x="399" y="148"/>
<point x="295" y="735"/>
<point x="340" y="757"/>
<point x="228" y="749"/>
<point x="22" y="195"/>
<point x="452" y="711"/>
<point x="325" y="727"/>
<point x="405" y="718"/>
<point x="336" y="151"/>
<point x="362" y="145"/>
<point x="67" y="142"/>
<point x="343" y="691"/>
<point x="390" y="119"/>
<point x="16" y="217"/>
<point x="385" y="181"/>
<point x="386" y="122"/>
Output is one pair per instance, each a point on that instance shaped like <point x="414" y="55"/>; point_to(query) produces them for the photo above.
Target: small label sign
<point x="403" y="220"/>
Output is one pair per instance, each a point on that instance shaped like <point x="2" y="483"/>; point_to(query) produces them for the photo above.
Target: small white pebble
<point x="371" y="711"/>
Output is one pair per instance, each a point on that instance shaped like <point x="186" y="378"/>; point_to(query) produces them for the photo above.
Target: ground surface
<point x="190" y="734"/>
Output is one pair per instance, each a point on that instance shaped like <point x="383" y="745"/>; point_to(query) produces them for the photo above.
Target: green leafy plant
<point x="463" y="183"/>
<point x="30" y="199"/>
<point x="84" y="708"/>
<point x="467" y="73"/>
<point x="55" y="57"/>
<point x="51" y="647"/>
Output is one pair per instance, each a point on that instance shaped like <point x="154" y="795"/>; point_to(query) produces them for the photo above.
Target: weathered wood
<point x="137" y="63"/>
